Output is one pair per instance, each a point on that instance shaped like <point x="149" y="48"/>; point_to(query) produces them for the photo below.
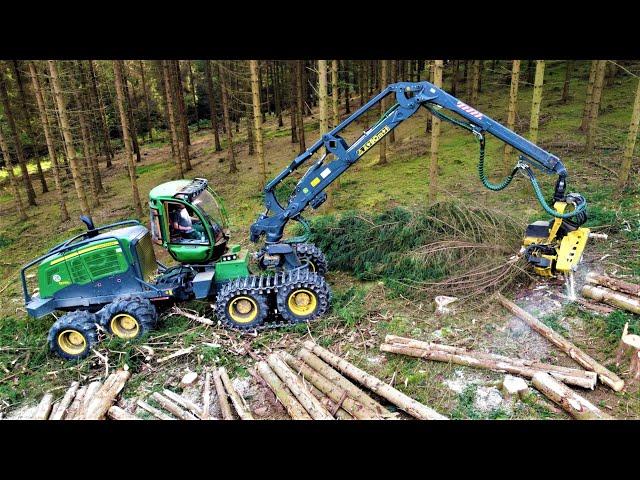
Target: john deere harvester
<point x="109" y="277"/>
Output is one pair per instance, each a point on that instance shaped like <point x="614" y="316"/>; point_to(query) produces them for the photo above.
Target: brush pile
<point x="448" y="248"/>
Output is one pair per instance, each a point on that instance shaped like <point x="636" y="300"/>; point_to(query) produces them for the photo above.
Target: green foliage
<point x="615" y="322"/>
<point x="349" y="305"/>
<point x="465" y="409"/>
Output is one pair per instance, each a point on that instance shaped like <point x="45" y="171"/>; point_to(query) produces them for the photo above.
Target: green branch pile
<point x="448" y="248"/>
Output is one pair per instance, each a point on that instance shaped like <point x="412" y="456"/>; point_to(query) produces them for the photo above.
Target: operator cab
<point x="189" y="220"/>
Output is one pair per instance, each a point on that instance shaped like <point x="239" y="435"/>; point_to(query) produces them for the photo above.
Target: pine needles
<point x="448" y="248"/>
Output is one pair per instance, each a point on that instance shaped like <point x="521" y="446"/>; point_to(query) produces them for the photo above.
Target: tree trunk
<point x="295" y="410"/>
<point x="117" y="413"/>
<point x="183" y="120"/>
<point x="257" y="120"/>
<point x="212" y="105"/>
<point x="192" y="83"/>
<point x="172" y="407"/>
<point x="146" y="101"/>
<point x="44" y="408"/>
<point x="17" y="198"/>
<point x="311" y="404"/>
<point x="85" y="100"/>
<point x="103" y="121"/>
<point x="106" y="395"/>
<point x="595" y="105"/>
<point x="630" y="144"/>
<point x="322" y="97"/>
<point x="171" y="110"/>
<point x="300" y="109"/>
<point x="126" y="134"/>
<point x="396" y="397"/>
<point x="567" y="80"/>
<point x="13" y="131"/>
<point x="607" y="377"/>
<point x="347" y="87"/>
<point x="277" y="94"/>
<point x="475" y="83"/>
<point x="610" y="297"/>
<point x="293" y="102"/>
<point x="75" y="404"/>
<point x="567" y="399"/>
<point x="454" y="77"/>
<point x="64" y="404"/>
<point x="530" y="71"/>
<point x="489" y="361"/>
<point x="382" y="159"/>
<point x="26" y="117"/>
<point x="183" y="402"/>
<point x="133" y="132"/>
<point x="435" y="139"/>
<point x="68" y="138"/>
<point x="227" y="121"/>
<point x="512" y="110"/>
<point x="613" y="283"/>
<point x="537" y="100"/>
<point x="589" y="98"/>
<point x="238" y="402"/>
<point x="159" y="414"/>
<point x="629" y="346"/>
<point x="334" y="94"/>
<point x="223" y="400"/>
<point x="394" y="79"/>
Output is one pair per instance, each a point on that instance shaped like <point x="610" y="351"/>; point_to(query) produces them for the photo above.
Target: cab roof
<point x="182" y="188"/>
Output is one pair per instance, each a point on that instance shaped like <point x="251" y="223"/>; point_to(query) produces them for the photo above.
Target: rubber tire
<point x="80" y="320"/>
<point x="312" y="254"/>
<point x="313" y="282"/>
<point x="222" y="302"/>
<point x="139" y="308"/>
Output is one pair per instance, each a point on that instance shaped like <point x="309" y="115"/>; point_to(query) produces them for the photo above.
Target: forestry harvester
<point x="109" y="277"/>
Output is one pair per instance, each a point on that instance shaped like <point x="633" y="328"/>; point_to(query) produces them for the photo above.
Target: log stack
<point x="612" y="291"/>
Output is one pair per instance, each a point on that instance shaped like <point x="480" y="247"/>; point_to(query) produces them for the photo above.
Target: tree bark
<point x="146" y="101"/>
<point x="68" y="397"/>
<point x="257" y="120"/>
<point x="613" y="283"/>
<point x="489" y="361"/>
<point x="334" y="94"/>
<point x="26" y="117"/>
<point x="212" y="105"/>
<point x="589" y="98"/>
<point x="77" y="402"/>
<point x="206" y="394"/>
<point x="293" y="102"/>
<point x="172" y="407"/>
<point x="117" y="413"/>
<point x="193" y="94"/>
<point x="475" y="83"/>
<point x="595" y="105"/>
<point x="311" y="404"/>
<point x="567" y="399"/>
<point x="295" y="410"/>
<point x="102" y="117"/>
<point x="435" y="139"/>
<point x="176" y="81"/>
<point x="607" y="377"/>
<point x="382" y="158"/>
<point x="171" y="111"/>
<point x="512" y="109"/>
<point x="77" y="412"/>
<point x="44" y="408"/>
<point x="630" y="144"/>
<point x="567" y="80"/>
<point x="17" y="198"/>
<point x="227" y="121"/>
<point x="68" y="138"/>
<point x="238" y="402"/>
<point x="183" y="402"/>
<point x="133" y="130"/>
<point x="159" y="414"/>
<point x="616" y="299"/>
<point x="126" y="134"/>
<point x="536" y="101"/>
<point x="300" y="105"/>
<point x="44" y="121"/>
<point x="340" y="413"/>
<point x="409" y="405"/>
<point x="347" y="87"/>
<point x="222" y="396"/>
<point x="106" y="395"/>
<point x="22" y="161"/>
<point x="332" y="391"/>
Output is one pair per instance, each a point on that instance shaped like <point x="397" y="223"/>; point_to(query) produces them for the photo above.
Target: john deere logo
<point x="375" y="139"/>
<point x="57" y="278"/>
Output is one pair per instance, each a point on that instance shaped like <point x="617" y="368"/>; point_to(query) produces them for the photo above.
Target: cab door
<point x="195" y="248"/>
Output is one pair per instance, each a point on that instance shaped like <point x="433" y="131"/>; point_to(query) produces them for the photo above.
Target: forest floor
<point x="363" y="312"/>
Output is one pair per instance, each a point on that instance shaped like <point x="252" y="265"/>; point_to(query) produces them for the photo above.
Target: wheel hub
<point x="72" y="342"/>
<point x="124" y="325"/>
<point x="302" y="302"/>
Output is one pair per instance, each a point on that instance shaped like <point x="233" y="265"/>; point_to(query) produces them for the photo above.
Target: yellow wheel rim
<point x="243" y="309"/>
<point x="124" y="325"/>
<point x="72" y="342"/>
<point x="302" y="302"/>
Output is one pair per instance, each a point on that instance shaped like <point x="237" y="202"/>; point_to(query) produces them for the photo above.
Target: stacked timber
<point x="612" y="291"/>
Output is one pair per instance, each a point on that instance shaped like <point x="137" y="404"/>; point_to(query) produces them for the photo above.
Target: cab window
<point x="184" y="225"/>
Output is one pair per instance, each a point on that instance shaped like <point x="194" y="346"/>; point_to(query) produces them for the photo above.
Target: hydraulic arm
<point x="409" y="98"/>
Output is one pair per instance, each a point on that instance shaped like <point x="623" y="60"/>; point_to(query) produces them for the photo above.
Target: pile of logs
<point x="612" y="291"/>
<point x="314" y="385"/>
<point x="89" y="402"/>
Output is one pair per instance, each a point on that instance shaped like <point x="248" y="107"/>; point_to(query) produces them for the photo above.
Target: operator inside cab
<point x="183" y="226"/>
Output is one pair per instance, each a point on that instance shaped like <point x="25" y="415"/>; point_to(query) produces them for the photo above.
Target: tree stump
<point x="629" y="347"/>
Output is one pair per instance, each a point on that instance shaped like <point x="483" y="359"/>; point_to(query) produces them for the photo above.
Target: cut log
<point x="606" y="376"/>
<point x="610" y="297"/>
<point x="336" y="378"/>
<point x="489" y="361"/>
<point x="179" y="353"/>
<point x="514" y="387"/>
<point x="238" y="402"/>
<point x="206" y="397"/>
<point x="103" y="399"/>
<point x="188" y="379"/>
<point x="117" y="413"/>
<point x="613" y="283"/>
<point x="311" y="404"/>
<point x="336" y="394"/>
<point x="68" y="397"/>
<point x="77" y="402"/>
<point x="183" y="402"/>
<point x="159" y="414"/>
<point x="406" y="403"/>
<point x="567" y="399"/>
<point x="222" y="396"/>
<point x="191" y="316"/>
<point x="293" y="407"/>
<point x="629" y="347"/>
<point x="44" y="407"/>
<point x="333" y="408"/>
<point x="172" y="408"/>
<point x="89" y="393"/>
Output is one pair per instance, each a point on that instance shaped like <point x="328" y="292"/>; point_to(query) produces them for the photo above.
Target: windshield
<point x="208" y="204"/>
